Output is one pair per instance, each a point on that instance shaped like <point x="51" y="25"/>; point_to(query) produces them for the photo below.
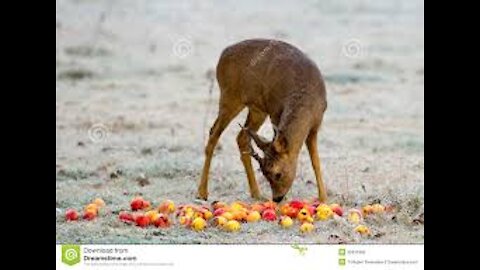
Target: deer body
<point x="272" y="78"/>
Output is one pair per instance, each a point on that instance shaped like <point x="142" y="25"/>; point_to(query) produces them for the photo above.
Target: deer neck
<point x="295" y="124"/>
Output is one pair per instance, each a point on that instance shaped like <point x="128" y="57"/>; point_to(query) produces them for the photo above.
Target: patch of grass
<point x="390" y="141"/>
<point x="76" y="74"/>
<point x="353" y="77"/>
<point x="74" y="173"/>
<point x="162" y="168"/>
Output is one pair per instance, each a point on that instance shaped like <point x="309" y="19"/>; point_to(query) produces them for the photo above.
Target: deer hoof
<point x="202" y="196"/>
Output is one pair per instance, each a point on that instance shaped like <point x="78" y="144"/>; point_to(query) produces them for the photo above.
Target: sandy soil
<point x="133" y="98"/>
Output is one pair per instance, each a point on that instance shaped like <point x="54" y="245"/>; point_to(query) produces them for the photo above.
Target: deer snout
<point x="280" y="184"/>
<point x="278" y="199"/>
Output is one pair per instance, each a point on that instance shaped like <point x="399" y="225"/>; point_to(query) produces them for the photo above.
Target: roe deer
<point x="272" y="78"/>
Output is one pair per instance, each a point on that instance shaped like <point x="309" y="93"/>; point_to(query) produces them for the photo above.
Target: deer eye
<point x="277" y="176"/>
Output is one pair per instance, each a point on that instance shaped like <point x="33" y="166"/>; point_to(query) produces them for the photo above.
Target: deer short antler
<point x="260" y="141"/>
<point x="251" y="150"/>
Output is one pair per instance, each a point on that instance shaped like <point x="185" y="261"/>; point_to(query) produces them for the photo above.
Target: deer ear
<point x="280" y="143"/>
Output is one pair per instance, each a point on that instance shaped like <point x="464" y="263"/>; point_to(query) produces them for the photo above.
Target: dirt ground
<point x="133" y="100"/>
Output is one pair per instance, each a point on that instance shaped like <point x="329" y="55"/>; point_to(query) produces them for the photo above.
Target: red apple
<point x="126" y="217"/>
<point x="137" y="203"/>
<point x="159" y="223"/>
<point x="89" y="215"/>
<point x="257" y="207"/>
<point x="293" y="212"/>
<point x="269" y="215"/>
<point x="167" y="207"/>
<point x="146" y="205"/>
<point x="162" y="221"/>
<point x="297" y="204"/>
<point x="337" y="209"/>
<point x="142" y="221"/>
<point x="311" y="209"/>
<point x="219" y="212"/>
<point x="270" y="205"/>
<point x="71" y="214"/>
<point x="287" y="210"/>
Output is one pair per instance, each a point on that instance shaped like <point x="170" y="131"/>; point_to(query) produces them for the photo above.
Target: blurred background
<point x="135" y="100"/>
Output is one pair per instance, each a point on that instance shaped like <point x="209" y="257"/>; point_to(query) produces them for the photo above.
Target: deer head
<point x="278" y="165"/>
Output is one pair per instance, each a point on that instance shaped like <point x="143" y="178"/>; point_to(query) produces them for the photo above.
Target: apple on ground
<point x="126" y="217"/>
<point x="220" y="221"/>
<point x="337" y="209"/>
<point x="307" y="227"/>
<point x="71" y="214"/>
<point x="91" y="207"/>
<point x="286" y="221"/>
<point x="99" y="202"/>
<point x="198" y="224"/>
<point x="162" y="221"/>
<point x="363" y="230"/>
<point x="142" y="221"/>
<point x="253" y="216"/>
<point x="324" y="212"/>
<point x="232" y="226"/>
<point x="354" y="216"/>
<point x="152" y="215"/>
<point x="269" y="214"/>
<point x="90" y="214"/>
<point x="166" y="207"/>
<point x="296" y="204"/>
<point x="303" y="214"/>
<point x="137" y="203"/>
<point x="219" y="212"/>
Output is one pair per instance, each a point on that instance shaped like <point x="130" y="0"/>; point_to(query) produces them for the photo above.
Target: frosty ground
<point x="134" y="108"/>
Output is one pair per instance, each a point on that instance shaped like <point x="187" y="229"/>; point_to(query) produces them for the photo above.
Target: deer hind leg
<point x="254" y="121"/>
<point x="311" y="143"/>
<point x="225" y="116"/>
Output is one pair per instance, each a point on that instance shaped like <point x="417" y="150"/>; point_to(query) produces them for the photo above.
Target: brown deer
<point x="272" y="78"/>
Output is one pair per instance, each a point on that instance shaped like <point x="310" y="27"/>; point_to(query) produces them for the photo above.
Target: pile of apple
<point x="90" y="211"/>
<point x="229" y="217"/>
<point x="356" y="216"/>
<point x="144" y="215"/>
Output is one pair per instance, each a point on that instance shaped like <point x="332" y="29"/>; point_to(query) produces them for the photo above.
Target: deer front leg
<point x="254" y="121"/>
<point x="222" y="121"/>
<point x="315" y="158"/>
